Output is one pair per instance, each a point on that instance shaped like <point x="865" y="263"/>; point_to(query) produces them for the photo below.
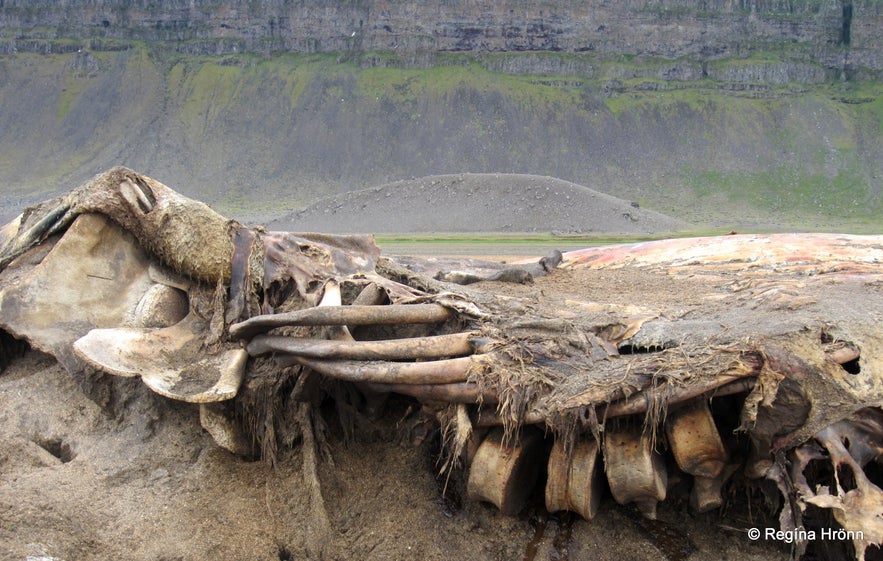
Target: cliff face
<point x="712" y="111"/>
<point x="251" y="134"/>
<point x="839" y="34"/>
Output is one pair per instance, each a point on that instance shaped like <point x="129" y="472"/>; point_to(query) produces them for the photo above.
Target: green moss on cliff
<point x="73" y="86"/>
<point x="255" y="133"/>
<point x="791" y="193"/>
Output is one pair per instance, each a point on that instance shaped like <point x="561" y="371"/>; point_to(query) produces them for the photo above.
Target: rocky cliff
<point x="716" y="112"/>
<point x="842" y="35"/>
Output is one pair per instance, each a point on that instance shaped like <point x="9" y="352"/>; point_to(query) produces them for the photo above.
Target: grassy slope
<point x="253" y="135"/>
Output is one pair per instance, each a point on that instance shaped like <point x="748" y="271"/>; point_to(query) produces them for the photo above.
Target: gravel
<point x="471" y="202"/>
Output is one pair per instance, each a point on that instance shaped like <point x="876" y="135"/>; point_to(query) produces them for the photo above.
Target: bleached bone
<point x="14" y="241"/>
<point x="95" y="276"/>
<point x="575" y="483"/>
<point x="343" y="315"/>
<point x="438" y="346"/>
<point x="504" y="473"/>
<point x="217" y="420"/>
<point x="167" y="277"/>
<point x="635" y="471"/>
<point x="332" y="298"/>
<point x="694" y="440"/>
<point x="161" y="306"/>
<point x="859" y="510"/>
<point x="110" y="281"/>
<point x="448" y="371"/>
<point x="371" y="295"/>
<point x="331" y="295"/>
<point x="538" y="350"/>
<point x="171" y="361"/>
<point x="843" y="354"/>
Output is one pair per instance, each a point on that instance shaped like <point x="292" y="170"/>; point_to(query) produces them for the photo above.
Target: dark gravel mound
<point x="472" y="202"/>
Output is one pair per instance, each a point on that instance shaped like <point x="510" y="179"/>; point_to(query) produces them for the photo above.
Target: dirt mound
<point x="478" y="202"/>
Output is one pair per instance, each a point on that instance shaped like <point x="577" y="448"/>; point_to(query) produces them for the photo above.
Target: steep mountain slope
<point x="742" y="114"/>
<point x="257" y="136"/>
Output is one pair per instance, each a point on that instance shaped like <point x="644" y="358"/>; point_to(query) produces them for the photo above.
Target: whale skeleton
<point x="127" y="277"/>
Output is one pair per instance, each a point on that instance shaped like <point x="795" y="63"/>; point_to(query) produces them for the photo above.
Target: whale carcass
<point x="701" y="359"/>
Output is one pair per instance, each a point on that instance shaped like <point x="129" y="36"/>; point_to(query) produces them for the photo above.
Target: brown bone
<point x="641" y="402"/>
<point x="706" y="492"/>
<point x="698" y="450"/>
<point x="635" y="471"/>
<point x="504" y="473"/>
<point x="694" y="440"/>
<point x="450" y="393"/>
<point x="548" y="360"/>
<point x="575" y="483"/>
<point x="636" y="405"/>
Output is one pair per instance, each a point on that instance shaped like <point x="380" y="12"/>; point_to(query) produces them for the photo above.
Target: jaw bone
<point x="95" y="276"/>
<point x="109" y="281"/>
<point x="171" y="361"/>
